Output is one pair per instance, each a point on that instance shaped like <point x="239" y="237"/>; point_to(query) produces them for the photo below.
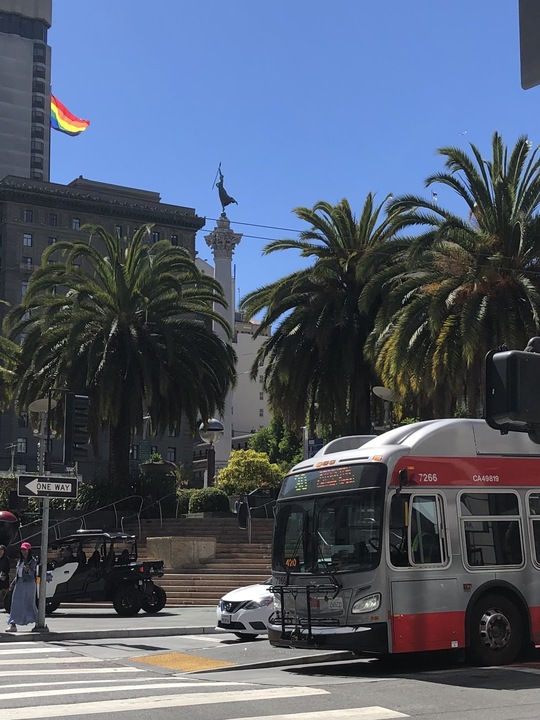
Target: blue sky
<point x="300" y="100"/>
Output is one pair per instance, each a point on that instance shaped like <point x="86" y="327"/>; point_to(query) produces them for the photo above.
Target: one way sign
<point x="47" y="486"/>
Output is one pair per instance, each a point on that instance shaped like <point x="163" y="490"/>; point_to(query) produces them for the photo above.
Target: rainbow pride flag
<point x="64" y="121"/>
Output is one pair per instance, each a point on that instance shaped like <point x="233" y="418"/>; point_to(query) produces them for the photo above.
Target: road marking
<point x="135" y="705"/>
<point x="73" y="683"/>
<point x="361" y="713"/>
<point x="40" y="661"/>
<point x="16" y="672"/>
<point x="206" y="638"/>
<point x="21" y="651"/>
<point x="112" y="689"/>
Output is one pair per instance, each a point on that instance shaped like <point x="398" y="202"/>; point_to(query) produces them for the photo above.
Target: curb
<point x="51" y="636"/>
<point x="334" y="656"/>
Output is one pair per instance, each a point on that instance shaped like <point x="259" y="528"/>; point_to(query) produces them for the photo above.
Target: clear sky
<point x="300" y="100"/>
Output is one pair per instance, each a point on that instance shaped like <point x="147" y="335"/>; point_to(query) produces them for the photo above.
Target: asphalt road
<point x="214" y="676"/>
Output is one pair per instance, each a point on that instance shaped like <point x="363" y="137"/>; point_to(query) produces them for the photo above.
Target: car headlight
<point x="263" y="602"/>
<point x="370" y="603"/>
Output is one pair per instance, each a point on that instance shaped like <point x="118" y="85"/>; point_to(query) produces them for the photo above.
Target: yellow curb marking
<point x="182" y="661"/>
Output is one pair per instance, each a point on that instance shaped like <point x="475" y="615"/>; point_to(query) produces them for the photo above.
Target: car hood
<point x="248" y="592"/>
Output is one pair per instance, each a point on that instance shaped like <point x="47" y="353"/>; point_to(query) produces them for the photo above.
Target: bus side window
<point x="427" y="547"/>
<point x="399" y="556"/>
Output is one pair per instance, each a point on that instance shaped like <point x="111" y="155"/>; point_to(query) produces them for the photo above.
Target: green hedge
<point x="208" y="500"/>
<point x="183" y="496"/>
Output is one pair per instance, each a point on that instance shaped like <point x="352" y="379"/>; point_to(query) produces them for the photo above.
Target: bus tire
<point x="496" y="631"/>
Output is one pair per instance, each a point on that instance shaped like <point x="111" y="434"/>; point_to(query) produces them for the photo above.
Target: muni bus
<point x="424" y="538"/>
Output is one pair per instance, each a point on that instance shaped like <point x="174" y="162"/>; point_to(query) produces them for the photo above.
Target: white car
<point x="245" y="611"/>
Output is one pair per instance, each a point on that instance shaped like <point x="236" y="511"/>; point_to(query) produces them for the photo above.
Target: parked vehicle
<point x="102" y="566"/>
<point x="245" y="612"/>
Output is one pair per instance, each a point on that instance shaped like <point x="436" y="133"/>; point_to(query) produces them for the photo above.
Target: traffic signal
<point x="76" y="428"/>
<point x="512" y="390"/>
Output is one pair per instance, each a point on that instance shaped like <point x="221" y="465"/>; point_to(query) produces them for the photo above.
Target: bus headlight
<point x="367" y="604"/>
<point x="277" y="601"/>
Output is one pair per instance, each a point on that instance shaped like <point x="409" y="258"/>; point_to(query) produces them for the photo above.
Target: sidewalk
<point x="80" y="622"/>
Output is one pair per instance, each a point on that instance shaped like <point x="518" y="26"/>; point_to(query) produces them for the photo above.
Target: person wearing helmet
<point x="23" y="599"/>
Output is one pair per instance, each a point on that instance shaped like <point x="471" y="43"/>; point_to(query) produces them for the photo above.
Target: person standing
<point x="23" y="599"/>
<point x="5" y="567"/>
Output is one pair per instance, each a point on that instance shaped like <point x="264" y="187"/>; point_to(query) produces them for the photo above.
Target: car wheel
<point x="127" y="601"/>
<point x="496" y="631"/>
<point x="51" y="606"/>
<point x="155" y="600"/>
<point x="248" y="637"/>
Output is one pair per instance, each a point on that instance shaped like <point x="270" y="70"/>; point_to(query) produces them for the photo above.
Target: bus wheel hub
<point x="495" y="629"/>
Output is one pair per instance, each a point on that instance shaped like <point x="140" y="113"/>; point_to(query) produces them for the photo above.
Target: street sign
<point x="47" y="486"/>
<point x="314" y="445"/>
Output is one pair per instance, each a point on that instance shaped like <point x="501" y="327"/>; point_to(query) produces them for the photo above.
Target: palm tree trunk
<point x="119" y="449"/>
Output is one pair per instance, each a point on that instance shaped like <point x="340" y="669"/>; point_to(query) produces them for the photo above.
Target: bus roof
<point x="431" y="438"/>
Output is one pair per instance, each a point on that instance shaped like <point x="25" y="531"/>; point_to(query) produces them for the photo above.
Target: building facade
<point x="25" y="83"/>
<point x="35" y="215"/>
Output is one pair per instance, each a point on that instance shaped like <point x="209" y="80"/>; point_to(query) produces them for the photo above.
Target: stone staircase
<point x="236" y="563"/>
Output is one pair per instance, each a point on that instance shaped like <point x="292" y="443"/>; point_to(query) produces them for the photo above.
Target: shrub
<point x="208" y="500"/>
<point x="183" y="496"/>
<point x="248" y="470"/>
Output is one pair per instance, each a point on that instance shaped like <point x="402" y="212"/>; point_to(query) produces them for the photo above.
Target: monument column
<point x="222" y="241"/>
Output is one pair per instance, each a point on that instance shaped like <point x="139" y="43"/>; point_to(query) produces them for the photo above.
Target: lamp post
<point x="211" y="432"/>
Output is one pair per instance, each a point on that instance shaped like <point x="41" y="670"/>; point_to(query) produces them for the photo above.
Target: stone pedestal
<point x="182" y="552"/>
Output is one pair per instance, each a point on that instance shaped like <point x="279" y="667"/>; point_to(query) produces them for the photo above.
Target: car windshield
<point x="331" y="531"/>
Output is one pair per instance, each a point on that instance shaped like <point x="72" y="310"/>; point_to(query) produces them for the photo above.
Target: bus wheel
<point x="496" y="636"/>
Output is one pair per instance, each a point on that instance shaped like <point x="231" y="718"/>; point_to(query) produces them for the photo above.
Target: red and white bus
<point x="424" y="538"/>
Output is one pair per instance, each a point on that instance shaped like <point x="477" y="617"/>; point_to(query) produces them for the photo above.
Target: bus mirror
<point x="403" y="478"/>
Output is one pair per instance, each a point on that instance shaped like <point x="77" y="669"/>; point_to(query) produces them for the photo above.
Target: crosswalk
<point x="56" y="682"/>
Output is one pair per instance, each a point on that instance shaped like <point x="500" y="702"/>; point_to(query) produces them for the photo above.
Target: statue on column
<point x="224" y="198"/>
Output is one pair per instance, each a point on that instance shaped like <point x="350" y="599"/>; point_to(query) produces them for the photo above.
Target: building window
<point x="52" y="240"/>
<point x="38" y="101"/>
<point x="53" y="219"/>
<point x="39" y="52"/>
<point x="261" y="412"/>
<point x="36" y="146"/>
<point x="155" y="236"/>
<point x="171" y="454"/>
<point x="27" y="261"/>
<point x="174" y="239"/>
<point x="22" y="444"/>
<point x="36" y="174"/>
<point x="38" y="86"/>
<point x="24" y="287"/>
<point x="153" y="449"/>
<point x="38" y="131"/>
<point x="261" y="378"/>
<point x="27" y="240"/>
<point x="75" y="224"/>
<point x="118" y="230"/>
<point x="36" y="162"/>
<point x="39" y="71"/>
<point x="38" y="116"/>
<point x="28" y="216"/>
<point x="261" y="396"/>
<point x="134" y="452"/>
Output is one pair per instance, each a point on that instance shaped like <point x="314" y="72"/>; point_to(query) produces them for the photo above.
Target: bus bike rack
<point x="300" y="623"/>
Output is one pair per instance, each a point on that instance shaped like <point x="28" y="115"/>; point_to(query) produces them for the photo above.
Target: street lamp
<point x="211" y="432"/>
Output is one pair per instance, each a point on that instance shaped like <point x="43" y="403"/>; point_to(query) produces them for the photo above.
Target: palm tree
<point x="315" y="363"/>
<point x="132" y="329"/>
<point x="472" y="283"/>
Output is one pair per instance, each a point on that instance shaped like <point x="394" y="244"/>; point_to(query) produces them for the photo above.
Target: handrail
<point x="83" y="517"/>
<point x="244" y="499"/>
<point x="136" y="514"/>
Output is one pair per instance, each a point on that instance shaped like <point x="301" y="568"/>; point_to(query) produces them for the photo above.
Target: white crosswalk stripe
<point x="105" y="688"/>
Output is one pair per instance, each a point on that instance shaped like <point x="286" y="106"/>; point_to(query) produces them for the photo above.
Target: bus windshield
<point x="330" y="531"/>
